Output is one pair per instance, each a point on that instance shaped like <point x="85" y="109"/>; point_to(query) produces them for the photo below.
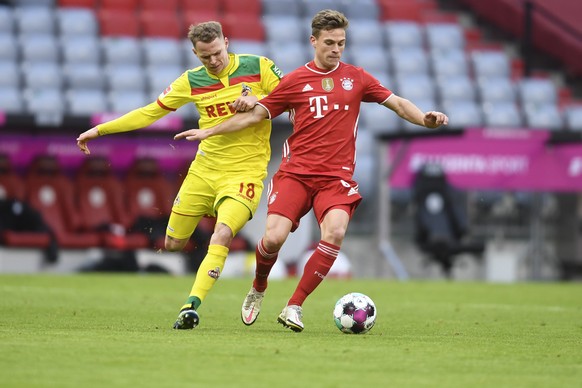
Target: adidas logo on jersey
<point x="307" y="88"/>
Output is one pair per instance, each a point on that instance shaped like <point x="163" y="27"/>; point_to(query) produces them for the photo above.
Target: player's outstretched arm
<point x="85" y="137"/>
<point x="235" y="123"/>
<point x="410" y="112"/>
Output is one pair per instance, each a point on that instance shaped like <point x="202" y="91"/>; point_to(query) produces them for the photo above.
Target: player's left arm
<point x="270" y="77"/>
<point x="235" y="123"/>
<point x="410" y="112"/>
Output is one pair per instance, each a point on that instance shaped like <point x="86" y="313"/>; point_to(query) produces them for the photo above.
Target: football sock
<point x="265" y="262"/>
<point x="208" y="273"/>
<point x="315" y="271"/>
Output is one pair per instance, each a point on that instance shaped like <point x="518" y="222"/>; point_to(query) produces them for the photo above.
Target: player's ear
<point x="226" y="42"/>
<point x="312" y="40"/>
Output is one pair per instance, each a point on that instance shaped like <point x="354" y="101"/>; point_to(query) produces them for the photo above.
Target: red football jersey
<point x="324" y="107"/>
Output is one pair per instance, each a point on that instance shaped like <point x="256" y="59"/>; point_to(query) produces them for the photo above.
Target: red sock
<point x="265" y="262"/>
<point x="314" y="272"/>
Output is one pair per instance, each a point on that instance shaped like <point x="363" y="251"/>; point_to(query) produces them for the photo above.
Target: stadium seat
<point x="242" y="46"/>
<point x="456" y="88"/>
<point x="162" y="51"/>
<point x="160" y="5"/>
<point x="372" y="58"/>
<point x="11" y="183"/>
<point x="190" y="17"/>
<point x="42" y="75"/>
<point x="490" y="63"/>
<point x="9" y="74"/>
<point x="100" y="200"/>
<point x="83" y="76"/>
<point x="311" y="7"/>
<point x="79" y="49"/>
<point x="502" y="114"/>
<point x="6" y="20"/>
<point x="281" y="29"/>
<point x="39" y="47"/>
<point x="449" y="62"/>
<point x="496" y="89"/>
<point x="35" y="3"/>
<point x="118" y="23"/>
<point x="242" y="9"/>
<point x="543" y="116"/>
<point x="294" y="56"/>
<point x="76" y="21"/>
<point x="362" y="9"/>
<point x="573" y="117"/>
<point x="365" y="33"/>
<point x="200" y="6"/>
<point x="121" y="50"/>
<point x="161" y="24"/>
<point x="412" y="60"/>
<point x="123" y="101"/>
<point x="403" y="34"/>
<point x="289" y="8"/>
<point x="11" y="100"/>
<point x="125" y="77"/>
<point x="378" y="119"/>
<point x="148" y="199"/>
<point x="79" y="3"/>
<point x="463" y="113"/>
<point x="86" y="102"/>
<point x="35" y="20"/>
<point x="46" y="104"/>
<point x="160" y="76"/>
<point x="50" y="192"/>
<point x="445" y="36"/>
<point x="248" y="28"/>
<point x="8" y="47"/>
<point x="120" y="5"/>
<point x="537" y="91"/>
<point x="399" y="10"/>
<point x="415" y="86"/>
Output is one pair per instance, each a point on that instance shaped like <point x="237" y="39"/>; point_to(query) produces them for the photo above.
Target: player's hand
<point x="84" y="138"/>
<point x="244" y="103"/>
<point x="434" y="119"/>
<point x="192" y="135"/>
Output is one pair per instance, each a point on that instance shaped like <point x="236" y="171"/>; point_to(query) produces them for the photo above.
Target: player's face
<point x="213" y="55"/>
<point x="329" y="47"/>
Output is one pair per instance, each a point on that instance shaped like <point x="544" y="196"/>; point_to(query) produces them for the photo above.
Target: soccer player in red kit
<point x="323" y="99"/>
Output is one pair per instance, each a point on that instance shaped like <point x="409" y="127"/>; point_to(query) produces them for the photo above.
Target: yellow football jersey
<point x="245" y="75"/>
<point x="238" y="151"/>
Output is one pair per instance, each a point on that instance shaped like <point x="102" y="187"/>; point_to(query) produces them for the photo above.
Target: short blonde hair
<point x="205" y="32"/>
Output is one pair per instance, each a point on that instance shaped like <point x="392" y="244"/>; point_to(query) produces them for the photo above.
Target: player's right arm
<point x="235" y="123"/>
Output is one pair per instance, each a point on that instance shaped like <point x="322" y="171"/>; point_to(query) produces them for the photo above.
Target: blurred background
<point x="493" y="197"/>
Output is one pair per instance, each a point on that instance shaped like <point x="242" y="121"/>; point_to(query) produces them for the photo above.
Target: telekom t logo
<point x="318" y="104"/>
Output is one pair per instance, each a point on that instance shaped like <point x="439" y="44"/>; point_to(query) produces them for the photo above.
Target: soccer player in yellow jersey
<point x="225" y="179"/>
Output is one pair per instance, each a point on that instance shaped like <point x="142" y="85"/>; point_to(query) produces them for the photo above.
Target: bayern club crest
<point x="347" y="83"/>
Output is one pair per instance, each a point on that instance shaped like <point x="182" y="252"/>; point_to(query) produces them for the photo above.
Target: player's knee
<point x="273" y="241"/>
<point x="222" y="235"/>
<point x="174" y="245"/>
<point x="335" y="234"/>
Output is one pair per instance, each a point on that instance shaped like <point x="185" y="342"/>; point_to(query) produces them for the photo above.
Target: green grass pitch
<point x="115" y="331"/>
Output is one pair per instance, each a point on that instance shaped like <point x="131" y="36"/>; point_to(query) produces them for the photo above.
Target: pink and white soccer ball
<point x="354" y="313"/>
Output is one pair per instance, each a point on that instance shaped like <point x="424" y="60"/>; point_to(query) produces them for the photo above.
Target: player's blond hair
<point x="328" y="19"/>
<point x="205" y="32"/>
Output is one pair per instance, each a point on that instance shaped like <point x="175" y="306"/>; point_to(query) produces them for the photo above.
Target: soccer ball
<point x="354" y="313"/>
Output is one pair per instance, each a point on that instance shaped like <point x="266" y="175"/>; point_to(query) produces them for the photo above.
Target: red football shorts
<point x="292" y="196"/>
